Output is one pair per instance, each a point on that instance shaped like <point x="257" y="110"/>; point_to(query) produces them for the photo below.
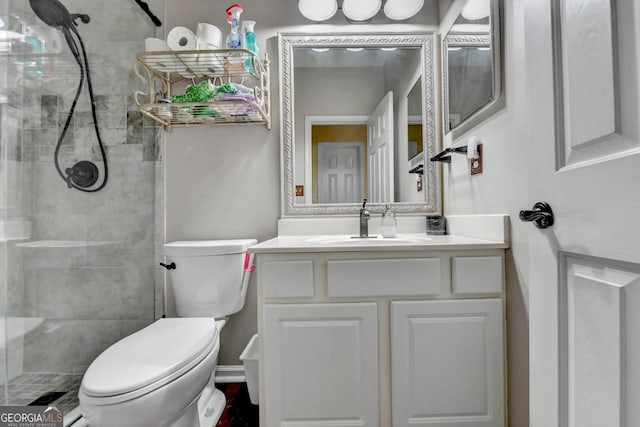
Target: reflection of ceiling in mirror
<point x="476" y="9"/>
<point x="481" y="25"/>
<point x="341" y="57"/>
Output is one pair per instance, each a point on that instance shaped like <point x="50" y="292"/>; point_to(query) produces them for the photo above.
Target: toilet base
<point x="211" y="403"/>
<point x="206" y="410"/>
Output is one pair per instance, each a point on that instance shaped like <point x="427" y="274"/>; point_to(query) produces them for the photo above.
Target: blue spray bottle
<point x="251" y="43"/>
<point x="234" y="38"/>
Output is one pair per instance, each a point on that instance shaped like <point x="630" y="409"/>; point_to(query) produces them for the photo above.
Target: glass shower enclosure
<point x="78" y="271"/>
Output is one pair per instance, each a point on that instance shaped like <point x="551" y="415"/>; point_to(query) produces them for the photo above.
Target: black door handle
<point x="171" y="266"/>
<point x="541" y="215"/>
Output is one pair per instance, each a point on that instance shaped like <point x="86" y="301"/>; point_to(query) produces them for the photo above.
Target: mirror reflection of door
<point x="414" y="110"/>
<point x="380" y="135"/>
<point x="340" y="172"/>
<point x="414" y="136"/>
<point x="339" y="168"/>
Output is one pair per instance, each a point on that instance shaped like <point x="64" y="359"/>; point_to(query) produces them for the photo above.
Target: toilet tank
<point x="211" y="276"/>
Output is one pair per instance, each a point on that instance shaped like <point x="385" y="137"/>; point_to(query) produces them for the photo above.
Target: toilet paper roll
<point x="209" y="36"/>
<point x="182" y="38"/>
<point x="161" y="62"/>
<point x="152" y="44"/>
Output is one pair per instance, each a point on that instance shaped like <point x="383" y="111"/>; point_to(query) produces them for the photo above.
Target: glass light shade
<point x="399" y="10"/>
<point x="318" y="10"/>
<point x="476" y="9"/>
<point x="360" y="10"/>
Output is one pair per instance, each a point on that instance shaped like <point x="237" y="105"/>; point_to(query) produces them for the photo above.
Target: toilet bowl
<point x="164" y="374"/>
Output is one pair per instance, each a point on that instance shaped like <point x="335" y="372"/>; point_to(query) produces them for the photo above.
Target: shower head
<point x="52" y="12"/>
<point x="55" y="14"/>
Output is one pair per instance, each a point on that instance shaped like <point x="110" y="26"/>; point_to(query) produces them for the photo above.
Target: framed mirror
<point x="347" y="104"/>
<point x="471" y="65"/>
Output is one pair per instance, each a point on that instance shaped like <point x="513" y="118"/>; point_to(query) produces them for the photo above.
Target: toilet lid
<point x="149" y="355"/>
<point x="207" y="247"/>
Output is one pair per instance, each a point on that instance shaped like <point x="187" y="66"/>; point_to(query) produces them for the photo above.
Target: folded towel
<point x="235" y="97"/>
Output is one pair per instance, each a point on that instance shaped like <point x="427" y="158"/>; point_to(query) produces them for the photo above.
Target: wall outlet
<point x="476" y="164"/>
<point x="299" y="190"/>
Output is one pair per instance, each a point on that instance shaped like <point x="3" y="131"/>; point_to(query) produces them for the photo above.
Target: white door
<point x="340" y="172"/>
<point x="380" y="150"/>
<point x="321" y="365"/>
<point x="447" y="363"/>
<point x="584" y="161"/>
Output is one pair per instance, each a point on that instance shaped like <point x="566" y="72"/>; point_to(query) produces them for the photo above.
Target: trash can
<point x="249" y="359"/>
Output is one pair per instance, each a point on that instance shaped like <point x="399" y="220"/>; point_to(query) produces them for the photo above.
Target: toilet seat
<point x="149" y="359"/>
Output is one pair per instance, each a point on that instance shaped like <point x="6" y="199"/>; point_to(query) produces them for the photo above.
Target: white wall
<point x="502" y="188"/>
<point x="224" y="182"/>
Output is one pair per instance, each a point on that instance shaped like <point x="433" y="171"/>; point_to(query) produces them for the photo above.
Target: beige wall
<point x="502" y="188"/>
<point x="224" y="182"/>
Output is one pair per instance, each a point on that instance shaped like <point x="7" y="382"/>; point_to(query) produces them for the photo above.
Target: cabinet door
<point x="447" y="363"/>
<point x="320" y="365"/>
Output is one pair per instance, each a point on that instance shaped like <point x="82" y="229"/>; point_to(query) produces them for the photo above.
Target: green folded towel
<point x="197" y="92"/>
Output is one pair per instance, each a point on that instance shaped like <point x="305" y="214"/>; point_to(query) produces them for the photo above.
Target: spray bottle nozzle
<point x="234" y="11"/>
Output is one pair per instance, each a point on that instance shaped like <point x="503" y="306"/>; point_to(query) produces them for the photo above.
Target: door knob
<point x="541" y="215"/>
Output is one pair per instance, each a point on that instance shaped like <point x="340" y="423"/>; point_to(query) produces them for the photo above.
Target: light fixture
<point x="388" y="49"/>
<point x="399" y="10"/>
<point x="476" y="9"/>
<point x="318" y="10"/>
<point x="320" y="49"/>
<point x="355" y="49"/>
<point x="360" y="10"/>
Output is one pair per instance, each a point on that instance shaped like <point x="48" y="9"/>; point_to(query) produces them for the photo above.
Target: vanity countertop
<point x="347" y="243"/>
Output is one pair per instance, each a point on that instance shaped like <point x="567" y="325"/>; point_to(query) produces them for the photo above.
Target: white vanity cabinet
<point x="447" y="363"/>
<point x="321" y="364"/>
<point x="381" y="338"/>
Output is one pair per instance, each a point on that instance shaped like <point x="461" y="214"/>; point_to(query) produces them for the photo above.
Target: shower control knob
<point x="84" y="174"/>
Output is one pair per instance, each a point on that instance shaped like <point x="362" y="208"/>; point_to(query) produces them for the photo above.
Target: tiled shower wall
<point x="86" y="275"/>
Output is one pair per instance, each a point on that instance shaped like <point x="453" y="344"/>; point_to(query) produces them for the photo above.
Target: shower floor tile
<point x="28" y="387"/>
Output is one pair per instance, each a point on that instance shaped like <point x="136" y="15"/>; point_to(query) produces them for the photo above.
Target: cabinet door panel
<point x="447" y="363"/>
<point x="321" y="364"/>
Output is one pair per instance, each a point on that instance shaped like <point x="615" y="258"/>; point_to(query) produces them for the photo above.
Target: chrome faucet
<point x="364" y="220"/>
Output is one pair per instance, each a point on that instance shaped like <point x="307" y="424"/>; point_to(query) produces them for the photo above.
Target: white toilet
<point x="163" y="375"/>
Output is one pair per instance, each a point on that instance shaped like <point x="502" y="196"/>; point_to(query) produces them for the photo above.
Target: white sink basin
<point x="349" y="240"/>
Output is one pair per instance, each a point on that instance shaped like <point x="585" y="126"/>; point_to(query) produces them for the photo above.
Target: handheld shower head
<point x="83" y="174"/>
<point x="53" y="13"/>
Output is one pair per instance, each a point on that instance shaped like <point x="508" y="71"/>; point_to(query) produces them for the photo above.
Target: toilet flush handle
<point x="171" y="266"/>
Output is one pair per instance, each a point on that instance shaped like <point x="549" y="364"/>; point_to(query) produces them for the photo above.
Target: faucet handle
<point x="364" y="202"/>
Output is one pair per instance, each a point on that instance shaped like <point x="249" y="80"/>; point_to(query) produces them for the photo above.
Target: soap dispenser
<point x="389" y="225"/>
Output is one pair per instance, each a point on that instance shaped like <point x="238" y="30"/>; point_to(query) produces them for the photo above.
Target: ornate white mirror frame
<point x="431" y="177"/>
